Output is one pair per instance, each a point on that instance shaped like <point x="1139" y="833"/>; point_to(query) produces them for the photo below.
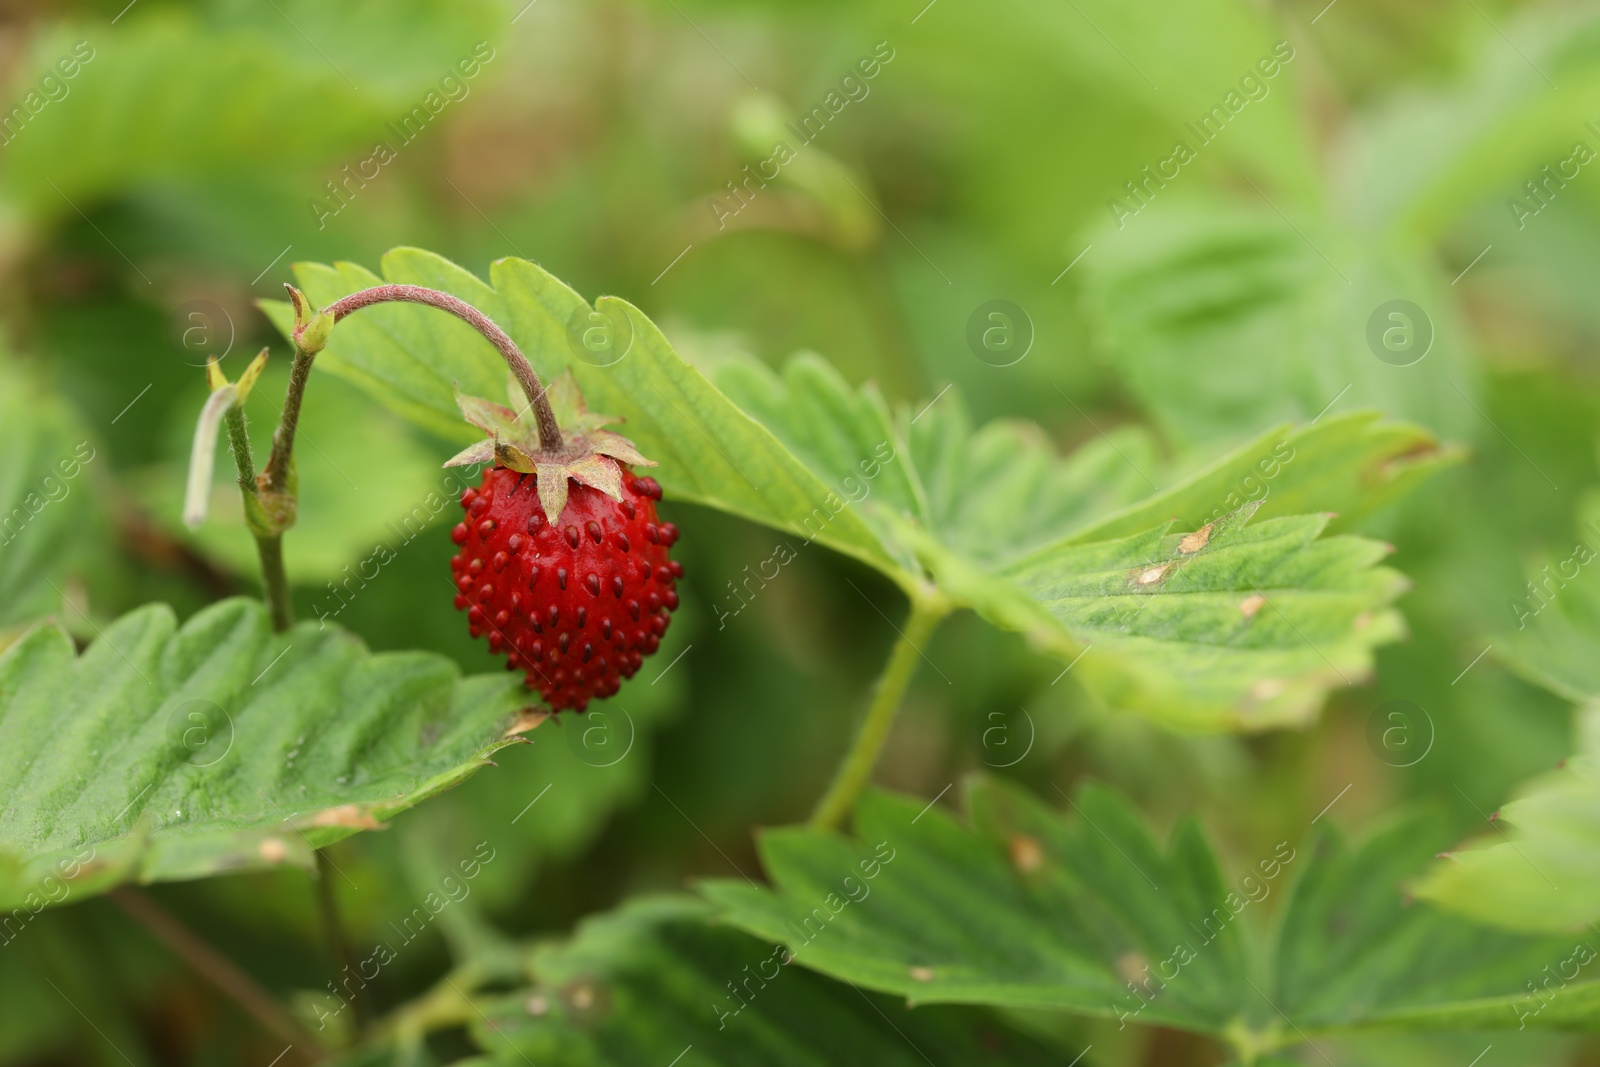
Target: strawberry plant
<point x="1075" y="545"/>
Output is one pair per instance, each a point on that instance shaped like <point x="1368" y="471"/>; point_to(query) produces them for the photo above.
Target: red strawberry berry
<point x="576" y="604"/>
<point x="562" y="563"/>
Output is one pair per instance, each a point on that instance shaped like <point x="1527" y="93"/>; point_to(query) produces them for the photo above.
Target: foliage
<point x="631" y="987"/>
<point x="1185" y="412"/>
<point x="992" y="517"/>
<point x="167" y="752"/>
<point x="1097" y="919"/>
<point x="48" y="515"/>
<point x="1536" y="871"/>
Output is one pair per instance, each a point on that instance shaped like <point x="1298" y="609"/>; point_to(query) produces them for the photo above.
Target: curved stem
<point x="856" y="769"/>
<point x="549" y="429"/>
<point x="277" y="490"/>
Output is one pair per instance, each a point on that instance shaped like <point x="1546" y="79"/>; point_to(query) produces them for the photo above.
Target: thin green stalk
<point x="239" y="441"/>
<point x="280" y="463"/>
<point x="856" y="769"/>
<point x="274" y="580"/>
<point x="448" y="1004"/>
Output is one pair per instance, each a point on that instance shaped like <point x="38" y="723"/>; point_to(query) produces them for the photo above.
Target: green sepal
<point x="311" y="327"/>
<point x="588" y="454"/>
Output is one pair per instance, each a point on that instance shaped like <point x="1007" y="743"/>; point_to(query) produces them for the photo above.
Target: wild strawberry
<point x="571" y="581"/>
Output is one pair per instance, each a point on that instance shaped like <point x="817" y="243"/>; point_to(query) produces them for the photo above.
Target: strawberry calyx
<point x="587" y="453"/>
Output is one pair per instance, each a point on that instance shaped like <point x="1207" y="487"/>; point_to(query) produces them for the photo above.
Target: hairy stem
<point x="239" y="442"/>
<point x="856" y="768"/>
<point x="549" y="430"/>
<point x="274" y="581"/>
<point x="277" y="472"/>
<point x="217" y="969"/>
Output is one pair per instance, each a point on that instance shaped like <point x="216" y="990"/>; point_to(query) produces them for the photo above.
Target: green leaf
<point x="48" y="515"/>
<point x="1246" y="630"/>
<point x="1024" y="908"/>
<point x="166" y="753"/>
<point x="1070" y="916"/>
<point x="1006" y="527"/>
<point x="1557" y="618"/>
<point x="1540" y="870"/>
<point x="1052" y="547"/>
<point x="654" y="980"/>
<point x="1419" y="162"/>
<point x="127" y="120"/>
<point x="1224" y="317"/>
<point x="1001" y="490"/>
<point x="1354" y="953"/>
<point x="251" y="78"/>
<point x="1182" y="63"/>
<point x="1067" y="919"/>
<point x="401" y="49"/>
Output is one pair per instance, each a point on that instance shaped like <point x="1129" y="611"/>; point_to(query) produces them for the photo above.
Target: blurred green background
<point x="196" y="150"/>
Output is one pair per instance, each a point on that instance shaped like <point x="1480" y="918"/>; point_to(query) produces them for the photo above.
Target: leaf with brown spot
<point x="1120" y="904"/>
<point x="992" y="515"/>
<point x="108" y="750"/>
<point x="350" y="816"/>
<point x="647" y="983"/>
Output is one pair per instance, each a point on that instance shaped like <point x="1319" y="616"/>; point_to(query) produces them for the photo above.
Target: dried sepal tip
<point x="589" y="455"/>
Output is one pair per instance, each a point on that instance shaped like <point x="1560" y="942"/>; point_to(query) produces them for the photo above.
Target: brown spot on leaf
<point x="273" y="850"/>
<point x="586" y="997"/>
<point x="922" y="974"/>
<point x="1131" y="966"/>
<point x="1251" y="604"/>
<point x="1196" y="541"/>
<point x="1149" y="575"/>
<point x="1266" y="689"/>
<point x="538" y="1006"/>
<point x="527" y="719"/>
<point x="88" y="870"/>
<point x="1026" y="854"/>
<point x="352" y="815"/>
